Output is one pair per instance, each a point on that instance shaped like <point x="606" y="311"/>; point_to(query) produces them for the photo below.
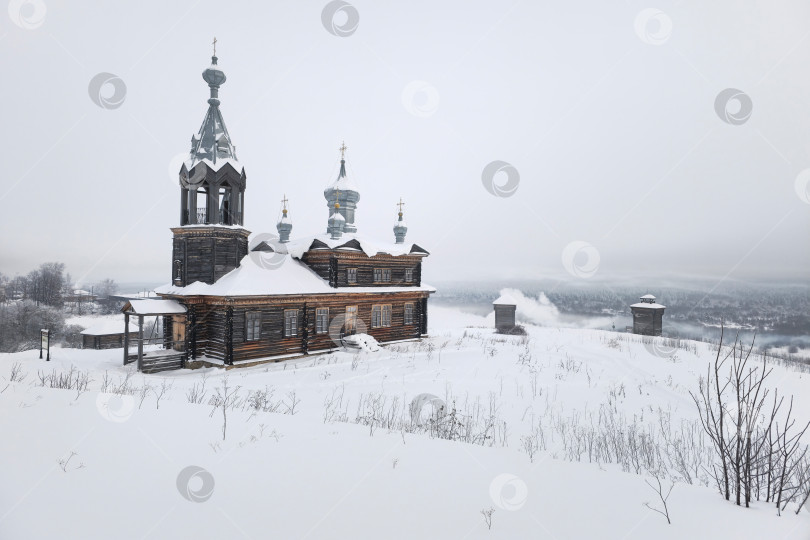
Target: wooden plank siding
<point x="206" y="253"/>
<point x="211" y="322"/>
<point x="318" y="260"/>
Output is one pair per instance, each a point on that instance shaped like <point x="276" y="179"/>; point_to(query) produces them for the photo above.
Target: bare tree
<point x="754" y="451"/>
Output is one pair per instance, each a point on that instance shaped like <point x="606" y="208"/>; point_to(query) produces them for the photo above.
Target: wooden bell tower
<point x="210" y="240"/>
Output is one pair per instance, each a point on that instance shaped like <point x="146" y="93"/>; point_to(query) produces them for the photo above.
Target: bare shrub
<point x="487" y="513"/>
<point x="659" y="490"/>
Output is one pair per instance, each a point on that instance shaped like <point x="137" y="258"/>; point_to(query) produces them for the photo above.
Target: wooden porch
<point x="161" y="351"/>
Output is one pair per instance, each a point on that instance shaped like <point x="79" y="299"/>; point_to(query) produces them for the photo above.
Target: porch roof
<point x="154" y="307"/>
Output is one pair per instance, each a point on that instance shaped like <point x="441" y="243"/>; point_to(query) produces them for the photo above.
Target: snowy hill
<point x="348" y="445"/>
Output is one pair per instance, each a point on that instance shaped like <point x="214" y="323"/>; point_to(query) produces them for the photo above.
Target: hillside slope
<point x="329" y="446"/>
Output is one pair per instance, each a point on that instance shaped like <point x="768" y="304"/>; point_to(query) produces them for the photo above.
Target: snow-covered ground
<point x="96" y="464"/>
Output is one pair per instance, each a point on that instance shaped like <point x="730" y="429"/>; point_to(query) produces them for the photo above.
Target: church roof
<point x="212" y="143"/>
<point x="298" y="247"/>
<point x="342" y="183"/>
<point x="273" y="275"/>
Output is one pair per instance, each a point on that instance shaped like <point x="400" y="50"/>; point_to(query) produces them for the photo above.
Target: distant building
<point x="106" y="334"/>
<point x="80" y="295"/>
<point x="648" y="316"/>
<point x="505" y="307"/>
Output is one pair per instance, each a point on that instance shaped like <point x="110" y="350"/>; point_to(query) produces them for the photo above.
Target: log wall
<point x="206" y="253"/>
<point x="212" y="327"/>
<point x="319" y="261"/>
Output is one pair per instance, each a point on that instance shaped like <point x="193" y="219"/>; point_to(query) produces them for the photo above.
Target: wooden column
<point x="167" y="332"/>
<point x="213" y="204"/>
<point x="424" y="322"/>
<point x="305" y="333"/>
<point x="192" y="206"/>
<point x="192" y="333"/>
<point x="233" y="206"/>
<point x="126" y="337"/>
<point x="140" y="342"/>
<point x="184" y="215"/>
<point x="229" y="336"/>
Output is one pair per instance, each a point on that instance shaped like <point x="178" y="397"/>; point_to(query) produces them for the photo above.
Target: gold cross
<point x="343" y="149"/>
<point x="214" y="43"/>
<point x="400" y="204"/>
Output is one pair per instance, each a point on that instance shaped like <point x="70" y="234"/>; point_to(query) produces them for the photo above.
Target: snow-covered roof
<point x="194" y="160"/>
<point x="648" y="297"/>
<point x="273" y="274"/>
<point x="209" y="225"/>
<point x="298" y="247"/>
<point x="106" y="327"/>
<point x="649" y="305"/>
<point x="336" y="216"/>
<point x="505" y="300"/>
<point x="81" y="291"/>
<point x="156" y="307"/>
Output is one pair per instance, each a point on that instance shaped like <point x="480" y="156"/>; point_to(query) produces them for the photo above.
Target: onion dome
<point x="215" y="78"/>
<point x="284" y="225"/>
<point x="400" y="227"/>
<point x="337" y="223"/>
<point x="343" y="191"/>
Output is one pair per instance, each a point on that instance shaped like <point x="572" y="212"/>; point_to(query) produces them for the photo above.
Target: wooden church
<point x="236" y="298"/>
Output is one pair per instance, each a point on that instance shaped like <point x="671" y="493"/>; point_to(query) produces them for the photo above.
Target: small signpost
<point x="43" y="344"/>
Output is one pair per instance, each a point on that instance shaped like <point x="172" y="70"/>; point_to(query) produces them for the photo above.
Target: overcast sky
<point x="607" y="111"/>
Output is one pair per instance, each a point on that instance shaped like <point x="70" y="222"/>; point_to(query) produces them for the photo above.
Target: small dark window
<point x="386" y="274"/>
<point x="253" y="325"/>
<point x="409" y="274"/>
<point x="290" y="322"/>
<point x="351" y="275"/>
<point x="378" y="274"/>
<point x="386" y="315"/>
<point x="321" y="320"/>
